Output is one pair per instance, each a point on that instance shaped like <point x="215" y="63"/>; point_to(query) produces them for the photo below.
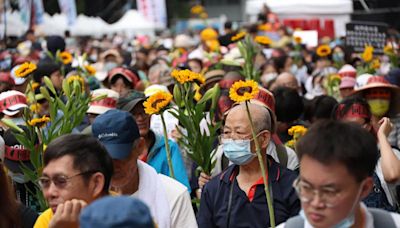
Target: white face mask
<point x="349" y="220"/>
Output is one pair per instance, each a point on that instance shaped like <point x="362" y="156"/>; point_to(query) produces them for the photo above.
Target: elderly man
<point x="332" y="198"/>
<point x="286" y="79"/>
<point x="77" y="170"/>
<point x="236" y="198"/>
<point x="168" y="200"/>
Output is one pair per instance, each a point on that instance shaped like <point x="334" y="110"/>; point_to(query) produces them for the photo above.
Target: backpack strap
<point x="382" y="218"/>
<point x="295" y="222"/>
<point x="282" y="155"/>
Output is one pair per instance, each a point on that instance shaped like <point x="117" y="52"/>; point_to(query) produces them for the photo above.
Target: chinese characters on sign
<point x="360" y="34"/>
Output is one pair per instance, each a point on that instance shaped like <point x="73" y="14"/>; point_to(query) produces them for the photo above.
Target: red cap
<point x="6" y="77"/>
<point x="126" y="73"/>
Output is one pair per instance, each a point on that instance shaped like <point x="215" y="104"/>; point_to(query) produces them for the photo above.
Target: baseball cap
<point x="105" y="104"/>
<point x="116" y="130"/>
<point x="16" y="155"/>
<point x="126" y="73"/>
<point x="347" y="82"/>
<point x="12" y="101"/>
<point x="125" y="212"/>
<point x="129" y="102"/>
<point x="6" y="78"/>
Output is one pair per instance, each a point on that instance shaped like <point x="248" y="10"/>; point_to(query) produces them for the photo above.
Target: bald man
<point x="236" y="197"/>
<point x="286" y="79"/>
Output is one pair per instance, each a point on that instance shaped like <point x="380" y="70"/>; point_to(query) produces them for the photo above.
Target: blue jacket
<point x="245" y="212"/>
<point x="157" y="158"/>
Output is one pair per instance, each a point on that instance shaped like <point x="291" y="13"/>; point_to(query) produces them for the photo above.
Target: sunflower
<point x="35" y="107"/>
<point x="73" y="78"/>
<point x="238" y="36"/>
<point x="39" y="122"/>
<point x="197" y="9"/>
<point x="323" y="50"/>
<point x="90" y="69"/>
<point x="368" y="53"/>
<point x="264" y="27"/>
<point x="213" y="45"/>
<point x="263" y="40"/>
<point x="197" y="95"/>
<point x="375" y="64"/>
<point x="183" y="76"/>
<point x="388" y="50"/>
<point x="204" y="15"/>
<point x="66" y="57"/>
<point x="298" y="129"/>
<point x="157" y="102"/>
<point x="25" y="69"/>
<point x="243" y="90"/>
<point x="297" y="39"/>
<point x="35" y="85"/>
<point x="291" y="143"/>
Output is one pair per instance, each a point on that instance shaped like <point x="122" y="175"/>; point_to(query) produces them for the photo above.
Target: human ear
<point x="367" y="187"/>
<point x="265" y="139"/>
<point x="97" y="183"/>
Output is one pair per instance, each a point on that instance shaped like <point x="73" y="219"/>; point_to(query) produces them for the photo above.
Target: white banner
<point x="154" y="10"/>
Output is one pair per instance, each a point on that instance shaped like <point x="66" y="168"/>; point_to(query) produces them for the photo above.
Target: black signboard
<point x="359" y="34"/>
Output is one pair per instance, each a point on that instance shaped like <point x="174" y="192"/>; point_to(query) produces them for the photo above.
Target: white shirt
<point x="164" y="195"/>
<point x="369" y="219"/>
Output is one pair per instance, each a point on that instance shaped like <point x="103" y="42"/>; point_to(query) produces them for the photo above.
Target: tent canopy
<point x="131" y="23"/>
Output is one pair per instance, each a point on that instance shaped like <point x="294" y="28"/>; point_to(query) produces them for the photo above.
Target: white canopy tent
<point x="338" y="10"/>
<point x="131" y="23"/>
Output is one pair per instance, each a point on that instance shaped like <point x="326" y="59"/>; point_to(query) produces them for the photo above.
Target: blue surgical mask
<point x="109" y="66"/>
<point x="238" y="151"/>
<point x="338" y="56"/>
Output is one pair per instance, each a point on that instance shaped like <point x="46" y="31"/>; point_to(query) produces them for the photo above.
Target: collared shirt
<point x="248" y="209"/>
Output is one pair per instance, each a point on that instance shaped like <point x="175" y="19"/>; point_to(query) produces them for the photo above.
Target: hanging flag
<point x="25" y="11"/>
<point x="39" y="11"/>
<point x="68" y="7"/>
<point x="154" y="10"/>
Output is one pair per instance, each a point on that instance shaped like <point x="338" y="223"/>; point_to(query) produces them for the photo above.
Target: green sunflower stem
<point x="171" y="169"/>
<point x="260" y="160"/>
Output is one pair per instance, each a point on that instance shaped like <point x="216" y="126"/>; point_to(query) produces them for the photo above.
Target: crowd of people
<point x="112" y="170"/>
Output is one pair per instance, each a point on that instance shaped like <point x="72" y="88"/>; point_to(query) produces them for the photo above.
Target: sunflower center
<point x="242" y="90"/>
<point x="154" y="104"/>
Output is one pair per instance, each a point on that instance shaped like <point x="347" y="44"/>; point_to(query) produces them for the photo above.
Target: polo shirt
<point x="248" y="209"/>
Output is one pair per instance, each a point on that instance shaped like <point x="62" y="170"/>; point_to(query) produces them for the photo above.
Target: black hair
<point x="228" y="25"/>
<point x="320" y="107"/>
<point x="87" y="152"/>
<point x="336" y="141"/>
<point x="347" y="104"/>
<point x="118" y="76"/>
<point x="288" y="104"/>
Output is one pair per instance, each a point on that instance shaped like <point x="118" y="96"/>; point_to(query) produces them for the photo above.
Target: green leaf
<point x="177" y="95"/>
<point x="49" y="84"/>
<point x="9" y="123"/>
<point x="66" y="88"/>
<point x="45" y="93"/>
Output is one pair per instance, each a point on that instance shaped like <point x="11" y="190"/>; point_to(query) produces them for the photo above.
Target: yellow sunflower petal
<point x="25" y="69"/>
<point x="323" y="50"/>
<point x="157" y="102"/>
<point x="243" y="90"/>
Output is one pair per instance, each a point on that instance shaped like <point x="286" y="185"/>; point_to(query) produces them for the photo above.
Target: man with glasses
<point x="236" y="197"/>
<point x="337" y="161"/>
<point x="77" y="170"/>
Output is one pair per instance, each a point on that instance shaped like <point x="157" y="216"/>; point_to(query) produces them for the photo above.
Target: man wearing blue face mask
<point x="236" y="197"/>
<point x="337" y="161"/>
